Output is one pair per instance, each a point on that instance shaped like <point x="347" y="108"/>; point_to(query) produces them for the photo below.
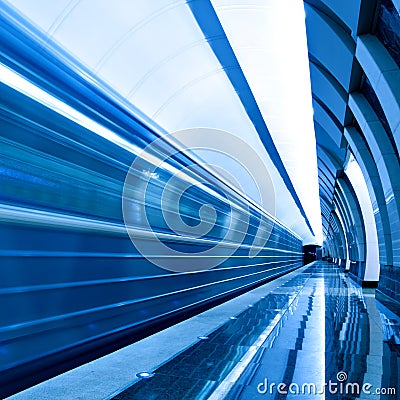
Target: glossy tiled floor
<point x="318" y="328"/>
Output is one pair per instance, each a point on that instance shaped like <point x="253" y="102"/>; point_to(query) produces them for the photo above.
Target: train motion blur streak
<point x="72" y="283"/>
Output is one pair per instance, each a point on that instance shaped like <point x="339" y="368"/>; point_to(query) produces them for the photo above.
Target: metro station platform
<point x="167" y="168"/>
<point x="312" y="333"/>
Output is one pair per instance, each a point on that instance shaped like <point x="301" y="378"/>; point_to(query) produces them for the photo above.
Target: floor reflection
<point x="331" y="331"/>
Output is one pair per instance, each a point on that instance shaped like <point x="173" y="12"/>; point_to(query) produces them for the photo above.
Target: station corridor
<point x="199" y="199"/>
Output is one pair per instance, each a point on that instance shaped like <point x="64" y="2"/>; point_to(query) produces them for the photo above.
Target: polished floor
<point x="317" y="336"/>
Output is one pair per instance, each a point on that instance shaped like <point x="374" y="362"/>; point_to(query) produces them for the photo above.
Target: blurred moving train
<point x="72" y="284"/>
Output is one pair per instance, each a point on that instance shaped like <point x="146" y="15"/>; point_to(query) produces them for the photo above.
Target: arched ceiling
<point x="332" y="27"/>
<point x="235" y="65"/>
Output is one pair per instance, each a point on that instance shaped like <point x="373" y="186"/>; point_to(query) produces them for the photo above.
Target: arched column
<point x="341" y="215"/>
<point x="384" y="75"/>
<point x="372" y="267"/>
<point x="355" y="234"/>
<point x="386" y="163"/>
<point x="362" y="154"/>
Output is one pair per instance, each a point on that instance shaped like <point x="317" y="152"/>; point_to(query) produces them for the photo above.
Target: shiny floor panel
<point x="327" y="339"/>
